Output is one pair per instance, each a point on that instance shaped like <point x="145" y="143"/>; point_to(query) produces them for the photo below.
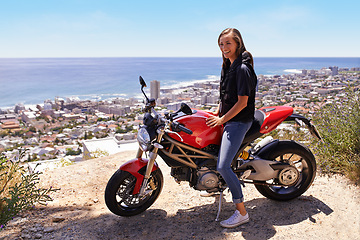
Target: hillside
<point x="328" y="210"/>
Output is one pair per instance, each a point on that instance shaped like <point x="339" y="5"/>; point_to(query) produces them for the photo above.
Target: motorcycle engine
<point x="207" y="179"/>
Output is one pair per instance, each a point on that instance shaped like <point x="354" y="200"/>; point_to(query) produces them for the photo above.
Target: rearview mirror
<point x="186" y="109"/>
<point x="142" y="82"/>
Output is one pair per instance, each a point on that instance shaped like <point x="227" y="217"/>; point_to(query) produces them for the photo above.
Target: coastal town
<point x="70" y="129"/>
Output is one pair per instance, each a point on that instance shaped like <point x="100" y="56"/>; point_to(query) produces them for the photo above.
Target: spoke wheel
<point x="119" y="196"/>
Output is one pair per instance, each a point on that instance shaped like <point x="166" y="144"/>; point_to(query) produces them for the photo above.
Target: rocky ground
<point x="330" y="209"/>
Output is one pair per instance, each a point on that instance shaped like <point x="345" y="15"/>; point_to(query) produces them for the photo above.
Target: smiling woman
<point x="228" y="47"/>
<point x="235" y="112"/>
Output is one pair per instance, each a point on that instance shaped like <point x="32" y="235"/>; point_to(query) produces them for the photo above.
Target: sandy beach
<point x="328" y="210"/>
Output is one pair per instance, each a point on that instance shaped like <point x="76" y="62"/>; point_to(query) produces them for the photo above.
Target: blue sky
<point x="177" y="28"/>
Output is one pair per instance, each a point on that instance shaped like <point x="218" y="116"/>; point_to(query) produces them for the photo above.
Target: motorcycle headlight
<point x="143" y="138"/>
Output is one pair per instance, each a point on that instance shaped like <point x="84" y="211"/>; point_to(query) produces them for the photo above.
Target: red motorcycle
<point x="280" y="170"/>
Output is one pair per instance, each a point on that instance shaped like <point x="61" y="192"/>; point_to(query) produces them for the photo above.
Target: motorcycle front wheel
<point x="119" y="196"/>
<point x="298" y="156"/>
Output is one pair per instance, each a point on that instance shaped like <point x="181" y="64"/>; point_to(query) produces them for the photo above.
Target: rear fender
<point x="267" y="149"/>
<point x="264" y="153"/>
<point x="133" y="167"/>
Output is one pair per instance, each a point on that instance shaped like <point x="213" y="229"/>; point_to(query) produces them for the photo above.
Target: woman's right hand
<point x="214" y="121"/>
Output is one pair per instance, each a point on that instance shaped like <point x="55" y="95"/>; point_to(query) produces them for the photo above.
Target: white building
<point x="106" y="145"/>
<point x="154" y="89"/>
<point x="28" y="116"/>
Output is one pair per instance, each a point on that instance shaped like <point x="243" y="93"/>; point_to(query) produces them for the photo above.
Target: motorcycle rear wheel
<point x="118" y="193"/>
<point x="299" y="156"/>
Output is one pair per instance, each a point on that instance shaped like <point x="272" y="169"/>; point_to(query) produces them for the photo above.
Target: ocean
<point x="33" y="80"/>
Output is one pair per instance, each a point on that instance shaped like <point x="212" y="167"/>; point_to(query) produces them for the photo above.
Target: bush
<point x="19" y="190"/>
<point x="339" y="126"/>
<point x="72" y="152"/>
<point x="99" y="153"/>
<point x="64" y="162"/>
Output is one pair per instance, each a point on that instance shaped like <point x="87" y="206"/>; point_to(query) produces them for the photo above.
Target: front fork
<point x="150" y="163"/>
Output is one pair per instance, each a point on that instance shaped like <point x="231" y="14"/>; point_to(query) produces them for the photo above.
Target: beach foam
<point x="175" y="84"/>
<point x="292" y="71"/>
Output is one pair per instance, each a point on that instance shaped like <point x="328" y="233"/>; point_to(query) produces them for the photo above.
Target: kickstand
<point x="219" y="209"/>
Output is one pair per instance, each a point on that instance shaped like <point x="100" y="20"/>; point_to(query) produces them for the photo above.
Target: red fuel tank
<point x="202" y="134"/>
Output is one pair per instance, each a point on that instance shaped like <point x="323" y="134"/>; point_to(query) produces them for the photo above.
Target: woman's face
<point x="228" y="47"/>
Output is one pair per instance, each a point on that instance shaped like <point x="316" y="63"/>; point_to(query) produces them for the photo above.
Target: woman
<point x="235" y="112"/>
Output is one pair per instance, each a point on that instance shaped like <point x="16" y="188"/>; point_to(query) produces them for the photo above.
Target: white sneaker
<point x="235" y="220"/>
<point x="206" y="194"/>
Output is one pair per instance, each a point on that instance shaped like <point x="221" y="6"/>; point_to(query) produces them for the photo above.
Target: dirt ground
<point x="330" y="209"/>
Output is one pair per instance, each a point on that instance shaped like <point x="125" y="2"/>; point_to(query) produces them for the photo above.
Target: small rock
<point x="26" y="236"/>
<point x="87" y="204"/>
<point x="17" y="220"/>
<point x="95" y="200"/>
<point x="58" y="219"/>
<point x="32" y="229"/>
<point x="38" y="236"/>
<point x="49" y="229"/>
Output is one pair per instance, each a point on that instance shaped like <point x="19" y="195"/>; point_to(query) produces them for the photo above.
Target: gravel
<point x="330" y="209"/>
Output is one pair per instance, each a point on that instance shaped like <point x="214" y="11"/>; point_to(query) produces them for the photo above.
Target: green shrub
<point x="339" y="127"/>
<point x="19" y="190"/>
<point x="64" y="162"/>
<point x="99" y="153"/>
<point x="72" y="152"/>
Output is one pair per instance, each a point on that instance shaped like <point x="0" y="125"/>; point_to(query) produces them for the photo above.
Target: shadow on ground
<point x="191" y="223"/>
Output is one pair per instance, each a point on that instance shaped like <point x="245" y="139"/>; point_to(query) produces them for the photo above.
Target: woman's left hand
<point x="214" y="121"/>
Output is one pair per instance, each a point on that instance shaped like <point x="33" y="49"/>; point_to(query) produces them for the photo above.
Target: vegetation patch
<point x="19" y="190"/>
<point x="338" y="124"/>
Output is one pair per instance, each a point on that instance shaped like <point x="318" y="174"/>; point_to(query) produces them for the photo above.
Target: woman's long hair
<point x="240" y="43"/>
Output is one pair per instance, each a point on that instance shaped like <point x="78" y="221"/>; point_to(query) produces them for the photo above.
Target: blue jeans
<point x="233" y="135"/>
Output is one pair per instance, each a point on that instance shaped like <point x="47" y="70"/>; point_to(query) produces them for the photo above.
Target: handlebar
<point x="185" y="130"/>
<point x="178" y="127"/>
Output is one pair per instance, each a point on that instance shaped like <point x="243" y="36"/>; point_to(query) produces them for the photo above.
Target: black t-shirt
<point x="239" y="79"/>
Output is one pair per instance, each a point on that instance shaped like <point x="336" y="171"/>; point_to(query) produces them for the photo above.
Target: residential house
<point x="108" y="145"/>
